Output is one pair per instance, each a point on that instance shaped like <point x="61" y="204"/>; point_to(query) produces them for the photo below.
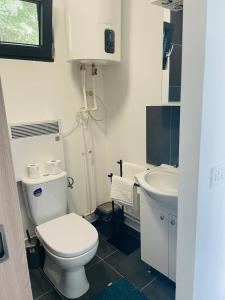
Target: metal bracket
<point x="169" y="53"/>
<point x="70" y="181"/>
<point x="110" y="176"/>
<point x="4" y="254"/>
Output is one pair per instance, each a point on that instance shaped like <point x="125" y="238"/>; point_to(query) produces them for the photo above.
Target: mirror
<point x="173" y="5"/>
<point x="172" y="56"/>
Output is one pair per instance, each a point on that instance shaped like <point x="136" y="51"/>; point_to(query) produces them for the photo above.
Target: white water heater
<point x="94" y="31"/>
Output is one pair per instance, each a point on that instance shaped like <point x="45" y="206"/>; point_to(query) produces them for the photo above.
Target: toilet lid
<point x="68" y="236"/>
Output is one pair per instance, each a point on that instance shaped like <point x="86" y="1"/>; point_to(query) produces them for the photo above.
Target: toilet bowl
<point x="70" y="243"/>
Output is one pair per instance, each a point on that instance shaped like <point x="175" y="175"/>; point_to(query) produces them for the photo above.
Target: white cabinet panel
<point x="172" y="247"/>
<point x="158" y="236"/>
<point x="154" y="237"/>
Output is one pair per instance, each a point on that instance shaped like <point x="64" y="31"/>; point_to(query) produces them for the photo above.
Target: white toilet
<point x="69" y="240"/>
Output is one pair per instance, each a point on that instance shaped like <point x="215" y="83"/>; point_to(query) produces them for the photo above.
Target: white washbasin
<point x="161" y="183"/>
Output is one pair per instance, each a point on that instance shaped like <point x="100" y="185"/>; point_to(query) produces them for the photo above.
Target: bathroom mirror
<point x="172" y="57"/>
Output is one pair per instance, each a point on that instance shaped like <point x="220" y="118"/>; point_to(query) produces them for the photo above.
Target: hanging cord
<point x="105" y="111"/>
<point x="80" y="116"/>
<point x="68" y="133"/>
<point x="76" y="125"/>
<point x="90" y="114"/>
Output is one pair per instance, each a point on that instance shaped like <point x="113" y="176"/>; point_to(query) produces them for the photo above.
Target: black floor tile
<point x="99" y="276"/>
<point x="104" y="248"/>
<point x="106" y="267"/>
<point x="126" y="243"/>
<point x="160" y="289"/>
<point x="95" y="260"/>
<point x="39" y="284"/>
<point x="131" y="267"/>
<point x="101" y="234"/>
<point x="51" y="296"/>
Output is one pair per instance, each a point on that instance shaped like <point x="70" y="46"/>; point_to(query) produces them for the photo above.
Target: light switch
<point x="217" y="176"/>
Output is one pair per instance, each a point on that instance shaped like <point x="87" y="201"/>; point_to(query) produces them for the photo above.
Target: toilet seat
<point x="68" y="236"/>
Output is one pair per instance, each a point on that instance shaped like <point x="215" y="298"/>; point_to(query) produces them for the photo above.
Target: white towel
<point x="122" y="190"/>
<point x="130" y="170"/>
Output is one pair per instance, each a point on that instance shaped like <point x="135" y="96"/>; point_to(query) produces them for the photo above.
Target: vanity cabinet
<point x="172" y="249"/>
<point x="158" y="236"/>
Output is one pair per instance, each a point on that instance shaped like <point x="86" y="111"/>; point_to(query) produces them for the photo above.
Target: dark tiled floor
<point x="39" y="284"/>
<point x="160" y="289"/>
<point x="105" y="249"/>
<point x="99" y="277"/>
<point x="53" y="295"/>
<point x="108" y="266"/>
<point x="131" y="267"/>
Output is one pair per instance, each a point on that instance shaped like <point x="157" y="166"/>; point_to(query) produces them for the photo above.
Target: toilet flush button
<point x="37" y="192"/>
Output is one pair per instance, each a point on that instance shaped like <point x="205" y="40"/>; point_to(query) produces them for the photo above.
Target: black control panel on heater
<point x="109" y="41"/>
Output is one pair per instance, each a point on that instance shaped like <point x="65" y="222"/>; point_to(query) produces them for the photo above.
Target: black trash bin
<point x="35" y="255"/>
<point x="111" y="219"/>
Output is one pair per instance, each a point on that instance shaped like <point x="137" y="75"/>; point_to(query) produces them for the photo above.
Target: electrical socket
<point x="217" y="175"/>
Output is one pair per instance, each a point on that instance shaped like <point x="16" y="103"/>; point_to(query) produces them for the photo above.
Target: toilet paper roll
<point x="53" y="167"/>
<point x="33" y="171"/>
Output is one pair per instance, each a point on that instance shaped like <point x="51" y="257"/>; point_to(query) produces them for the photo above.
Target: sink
<point x="161" y="183"/>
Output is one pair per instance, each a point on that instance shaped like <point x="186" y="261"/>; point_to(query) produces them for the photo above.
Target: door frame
<point x="14" y="275"/>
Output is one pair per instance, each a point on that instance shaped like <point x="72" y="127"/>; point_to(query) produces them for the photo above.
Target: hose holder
<point x="70" y="181"/>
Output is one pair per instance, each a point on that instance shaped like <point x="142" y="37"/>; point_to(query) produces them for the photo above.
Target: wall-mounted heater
<point x="35" y="143"/>
<point x="174" y="5"/>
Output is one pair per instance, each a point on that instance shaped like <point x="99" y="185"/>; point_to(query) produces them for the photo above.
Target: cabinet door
<point x="172" y="247"/>
<point x="154" y="237"/>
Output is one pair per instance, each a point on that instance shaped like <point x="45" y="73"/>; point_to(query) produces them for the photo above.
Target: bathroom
<point x="136" y="125"/>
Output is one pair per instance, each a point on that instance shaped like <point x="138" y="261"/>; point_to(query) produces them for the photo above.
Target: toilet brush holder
<point x="35" y="255"/>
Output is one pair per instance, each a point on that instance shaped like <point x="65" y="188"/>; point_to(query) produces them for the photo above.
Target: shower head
<point x="174" y="5"/>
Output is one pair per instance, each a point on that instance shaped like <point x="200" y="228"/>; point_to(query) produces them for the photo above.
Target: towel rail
<point x="115" y="235"/>
<point x="120" y="162"/>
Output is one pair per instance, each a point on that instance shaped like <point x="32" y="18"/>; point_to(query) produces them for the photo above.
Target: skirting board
<point x="132" y="222"/>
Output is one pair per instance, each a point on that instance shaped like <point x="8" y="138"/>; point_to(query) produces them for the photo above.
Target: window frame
<point x="42" y="52"/>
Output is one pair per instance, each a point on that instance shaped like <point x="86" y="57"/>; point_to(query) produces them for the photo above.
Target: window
<point x="26" y="29"/>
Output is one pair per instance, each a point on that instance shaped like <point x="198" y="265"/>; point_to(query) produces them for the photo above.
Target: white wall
<point x="201" y="222"/>
<point x="35" y="91"/>
<point x="41" y="91"/>
<point x="134" y="83"/>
